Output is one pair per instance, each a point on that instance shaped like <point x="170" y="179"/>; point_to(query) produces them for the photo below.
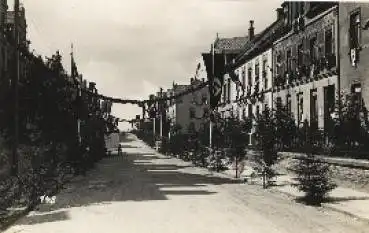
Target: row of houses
<point x="306" y="60"/>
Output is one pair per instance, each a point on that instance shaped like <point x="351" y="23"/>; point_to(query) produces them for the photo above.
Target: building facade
<point x="354" y="49"/>
<point x="190" y="112"/>
<point x="305" y="62"/>
<point x="231" y="92"/>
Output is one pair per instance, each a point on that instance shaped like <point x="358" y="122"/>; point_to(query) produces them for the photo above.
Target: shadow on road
<point x="119" y="179"/>
<point x="43" y="218"/>
<point x="137" y="177"/>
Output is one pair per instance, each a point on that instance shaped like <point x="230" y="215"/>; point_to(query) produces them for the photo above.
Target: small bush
<point x="314" y="179"/>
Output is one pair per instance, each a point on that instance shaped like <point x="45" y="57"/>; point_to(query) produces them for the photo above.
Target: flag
<point x="74" y="71"/>
<point x="215" y="69"/>
<point x="234" y="77"/>
<point x="197" y="70"/>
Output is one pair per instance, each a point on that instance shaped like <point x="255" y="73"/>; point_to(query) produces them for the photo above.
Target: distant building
<point x="189" y="112"/>
<point x="23" y="42"/>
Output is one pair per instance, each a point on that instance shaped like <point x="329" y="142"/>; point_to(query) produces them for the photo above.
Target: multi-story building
<point x="254" y="69"/>
<point x="190" y="111"/>
<point x="354" y="49"/>
<point x="230" y="48"/>
<point x="305" y="61"/>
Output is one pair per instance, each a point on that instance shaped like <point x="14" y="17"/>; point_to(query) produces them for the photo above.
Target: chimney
<point x="279" y="13"/>
<point x="92" y="85"/>
<point x="251" y="30"/>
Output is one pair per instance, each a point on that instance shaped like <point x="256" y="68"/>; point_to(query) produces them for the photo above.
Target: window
<point x="192" y="113"/>
<point x="300" y="54"/>
<point x="191" y="127"/>
<point x="249" y="110"/>
<point x="265" y="77"/>
<point x="225" y="92"/>
<point x="249" y="76"/>
<point x="354" y="31"/>
<point x="329" y="102"/>
<point x="313" y="55"/>
<point x="278" y="64"/>
<point x="289" y="60"/>
<point x="288" y="100"/>
<point x="328" y="43"/>
<point x="206" y="112"/>
<point x="357" y="98"/>
<point x="257" y="69"/>
<point x="244" y="76"/>
<point x="257" y="110"/>
<point x="313" y="108"/>
<point x="229" y="90"/>
<point x="279" y="102"/>
<point x="300" y="107"/>
<point x="302" y="8"/>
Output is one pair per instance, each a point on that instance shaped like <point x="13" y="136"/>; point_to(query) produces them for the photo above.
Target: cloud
<point x="131" y="48"/>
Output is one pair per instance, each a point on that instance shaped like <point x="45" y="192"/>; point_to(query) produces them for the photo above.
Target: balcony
<point x="315" y="70"/>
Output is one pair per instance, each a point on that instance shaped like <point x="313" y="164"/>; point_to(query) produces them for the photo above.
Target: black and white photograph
<point x="184" y="116"/>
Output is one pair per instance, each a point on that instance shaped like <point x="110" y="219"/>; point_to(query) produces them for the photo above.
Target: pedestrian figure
<point x="119" y="149"/>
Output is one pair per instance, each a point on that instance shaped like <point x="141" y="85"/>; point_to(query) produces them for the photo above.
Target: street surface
<point x="146" y="192"/>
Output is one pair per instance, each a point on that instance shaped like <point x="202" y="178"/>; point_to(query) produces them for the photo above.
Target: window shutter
<point x="320" y="43"/>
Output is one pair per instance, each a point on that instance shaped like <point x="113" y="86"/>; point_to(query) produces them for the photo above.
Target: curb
<point x="11" y="219"/>
<point x="328" y="206"/>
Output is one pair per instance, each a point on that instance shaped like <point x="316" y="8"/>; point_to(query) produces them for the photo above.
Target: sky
<point x="132" y="48"/>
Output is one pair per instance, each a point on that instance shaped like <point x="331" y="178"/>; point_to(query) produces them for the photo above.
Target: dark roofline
<point x="253" y="45"/>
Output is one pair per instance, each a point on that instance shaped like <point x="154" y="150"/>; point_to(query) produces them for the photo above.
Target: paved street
<point x="146" y="192"/>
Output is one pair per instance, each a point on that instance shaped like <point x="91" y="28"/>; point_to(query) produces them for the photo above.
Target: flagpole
<point x="15" y="166"/>
<point x="211" y="123"/>
<point x="78" y="93"/>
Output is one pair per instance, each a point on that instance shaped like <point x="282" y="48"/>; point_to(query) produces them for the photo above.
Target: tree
<point x="235" y="133"/>
<point x="266" y="137"/>
<point x="312" y="175"/>
<point x="350" y="129"/>
<point x="286" y="129"/>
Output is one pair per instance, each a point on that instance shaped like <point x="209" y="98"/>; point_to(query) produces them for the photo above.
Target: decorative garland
<point x="191" y="89"/>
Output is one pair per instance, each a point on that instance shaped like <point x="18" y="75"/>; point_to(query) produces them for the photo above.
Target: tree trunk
<point x="236" y="167"/>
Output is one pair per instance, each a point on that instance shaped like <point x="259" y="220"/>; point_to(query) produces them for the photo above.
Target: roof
<point x="261" y="41"/>
<point x="234" y="44"/>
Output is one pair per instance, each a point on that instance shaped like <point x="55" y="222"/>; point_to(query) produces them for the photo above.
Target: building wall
<point x="179" y="110"/>
<point x="3" y="44"/>
<point x="299" y="77"/>
<point x="354" y="74"/>
<point x="305" y="91"/>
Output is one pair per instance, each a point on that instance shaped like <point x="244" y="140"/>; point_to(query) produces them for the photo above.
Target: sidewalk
<point x="344" y="200"/>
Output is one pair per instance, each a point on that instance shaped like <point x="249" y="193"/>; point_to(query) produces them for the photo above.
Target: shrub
<point x="313" y="179"/>
<point x="313" y="176"/>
